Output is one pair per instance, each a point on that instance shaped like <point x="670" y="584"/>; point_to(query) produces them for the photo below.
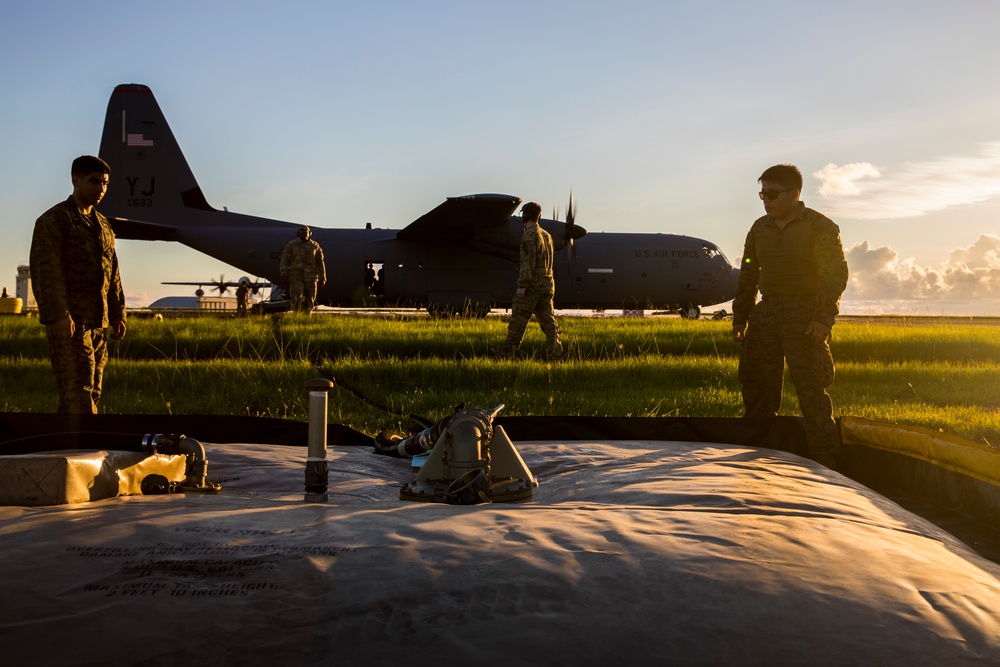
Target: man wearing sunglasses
<point x="794" y="258"/>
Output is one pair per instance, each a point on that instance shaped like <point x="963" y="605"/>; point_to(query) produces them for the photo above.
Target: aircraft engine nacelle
<point x="508" y="237"/>
<point x="563" y="233"/>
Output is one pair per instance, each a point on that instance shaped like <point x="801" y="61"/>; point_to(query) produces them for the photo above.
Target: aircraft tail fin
<point x="151" y="181"/>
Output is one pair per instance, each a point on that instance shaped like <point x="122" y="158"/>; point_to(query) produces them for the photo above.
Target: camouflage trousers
<point x="536" y="301"/>
<point x="302" y="292"/>
<point x="775" y="336"/>
<point x="78" y="363"/>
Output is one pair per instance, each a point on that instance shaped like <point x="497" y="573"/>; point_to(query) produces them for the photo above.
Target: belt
<point x="788" y="298"/>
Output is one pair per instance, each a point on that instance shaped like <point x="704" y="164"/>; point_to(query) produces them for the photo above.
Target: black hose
<point x="423" y="421"/>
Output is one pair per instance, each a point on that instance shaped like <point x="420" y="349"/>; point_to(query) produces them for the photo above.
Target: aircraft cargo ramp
<point x="630" y="552"/>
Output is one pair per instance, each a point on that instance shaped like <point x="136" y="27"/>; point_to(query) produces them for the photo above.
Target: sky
<point x="658" y="116"/>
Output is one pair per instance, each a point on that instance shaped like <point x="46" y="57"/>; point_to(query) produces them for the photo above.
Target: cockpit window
<point x="712" y="251"/>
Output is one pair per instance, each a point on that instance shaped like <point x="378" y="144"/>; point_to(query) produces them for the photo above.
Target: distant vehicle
<point x="459" y="257"/>
<point x="10" y="305"/>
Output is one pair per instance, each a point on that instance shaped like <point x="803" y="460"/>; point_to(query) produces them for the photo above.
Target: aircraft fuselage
<point x="599" y="271"/>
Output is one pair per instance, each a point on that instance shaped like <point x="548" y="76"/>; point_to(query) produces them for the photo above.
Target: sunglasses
<point x="771" y="194"/>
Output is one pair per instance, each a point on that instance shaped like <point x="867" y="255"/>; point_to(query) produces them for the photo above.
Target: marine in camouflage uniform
<point x="303" y="269"/>
<point x="535" y="287"/>
<point x="794" y="257"/>
<point x="74" y="272"/>
<point x="242" y="299"/>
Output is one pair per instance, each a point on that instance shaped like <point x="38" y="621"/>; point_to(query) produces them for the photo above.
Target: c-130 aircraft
<point x="460" y="257"/>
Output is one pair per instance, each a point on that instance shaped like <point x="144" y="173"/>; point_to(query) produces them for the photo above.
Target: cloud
<point x="137" y="299"/>
<point x="861" y="190"/>
<point x="984" y="253"/>
<point x="970" y="273"/>
<point x="843" y="181"/>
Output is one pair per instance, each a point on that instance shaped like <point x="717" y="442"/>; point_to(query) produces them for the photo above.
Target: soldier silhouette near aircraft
<point x="242" y="298"/>
<point x="303" y="270"/>
<point x="78" y="287"/>
<point x="535" y="287"/>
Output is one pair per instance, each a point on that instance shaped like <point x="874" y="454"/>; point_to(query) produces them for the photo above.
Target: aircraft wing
<point x="142" y="231"/>
<point x="215" y="283"/>
<point x="222" y="286"/>
<point x="458" y="217"/>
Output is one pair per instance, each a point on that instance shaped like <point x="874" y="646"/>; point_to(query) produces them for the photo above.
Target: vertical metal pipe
<point x="317" y="475"/>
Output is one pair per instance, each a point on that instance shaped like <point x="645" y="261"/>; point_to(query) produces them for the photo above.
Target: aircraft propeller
<point x="571" y="223"/>
<point x="221" y="285"/>
<point x="255" y="285"/>
<point x="571" y="231"/>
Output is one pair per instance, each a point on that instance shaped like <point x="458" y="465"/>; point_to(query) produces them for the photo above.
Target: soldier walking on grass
<point x="303" y="270"/>
<point x="74" y="269"/>
<point x="535" y="287"/>
<point x="794" y="257"/>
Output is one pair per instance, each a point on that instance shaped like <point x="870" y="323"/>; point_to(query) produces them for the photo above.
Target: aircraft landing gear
<point x="689" y="312"/>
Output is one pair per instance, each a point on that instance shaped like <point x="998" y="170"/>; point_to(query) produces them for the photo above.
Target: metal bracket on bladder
<point x="472" y="462"/>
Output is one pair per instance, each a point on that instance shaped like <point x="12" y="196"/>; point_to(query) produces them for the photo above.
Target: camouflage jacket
<point x="74" y="268"/>
<point x="535" y="268"/>
<point x="806" y="258"/>
<point x="303" y="258"/>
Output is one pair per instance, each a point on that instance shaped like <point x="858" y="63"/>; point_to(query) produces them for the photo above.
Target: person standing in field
<point x="535" y="287"/>
<point x="74" y="272"/>
<point x="794" y="257"/>
<point x="303" y="269"/>
<point x="242" y="299"/>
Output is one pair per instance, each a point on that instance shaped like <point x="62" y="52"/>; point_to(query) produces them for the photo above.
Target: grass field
<point x="939" y="375"/>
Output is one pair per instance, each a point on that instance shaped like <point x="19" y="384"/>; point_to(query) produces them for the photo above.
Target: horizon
<point x="848" y="307"/>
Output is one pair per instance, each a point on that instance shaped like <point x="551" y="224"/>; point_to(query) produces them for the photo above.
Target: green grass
<point x="938" y="375"/>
